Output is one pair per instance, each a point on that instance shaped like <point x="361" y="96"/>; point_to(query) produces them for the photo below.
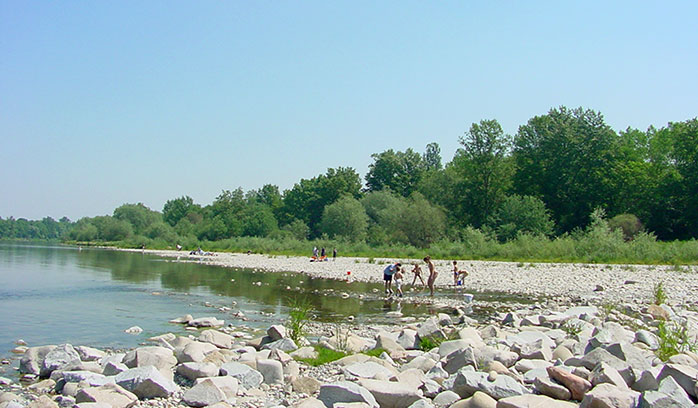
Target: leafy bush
<point x="659" y="293"/>
<point x="629" y="224"/>
<point x="521" y="214"/>
<point x="674" y="339"/>
<point x="298" y="318"/>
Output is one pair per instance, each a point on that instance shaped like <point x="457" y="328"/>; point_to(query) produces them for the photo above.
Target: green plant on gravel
<point x="298" y="318"/>
<point x="674" y="339"/>
<point x="428" y="343"/>
<point x="376" y="352"/>
<point x="342" y="337"/>
<point x="371" y="260"/>
<point x="324" y="356"/>
<point x="659" y="293"/>
<point x="572" y="328"/>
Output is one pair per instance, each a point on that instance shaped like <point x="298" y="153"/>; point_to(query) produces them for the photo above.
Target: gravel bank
<point x="596" y="283"/>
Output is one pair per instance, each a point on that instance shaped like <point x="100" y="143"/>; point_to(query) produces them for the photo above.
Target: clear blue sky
<point x="111" y="102"/>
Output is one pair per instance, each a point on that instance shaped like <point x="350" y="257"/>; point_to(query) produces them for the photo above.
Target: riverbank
<point x="594" y="283"/>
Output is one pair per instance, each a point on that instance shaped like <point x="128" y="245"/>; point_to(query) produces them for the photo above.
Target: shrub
<point x="629" y="224"/>
<point x="674" y="339"/>
<point x="298" y="318"/>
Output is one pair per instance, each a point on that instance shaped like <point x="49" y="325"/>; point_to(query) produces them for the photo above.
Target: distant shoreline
<point x="593" y="283"/>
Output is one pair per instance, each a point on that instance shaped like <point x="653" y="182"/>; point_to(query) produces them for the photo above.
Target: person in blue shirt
<point x="388" y="273"/>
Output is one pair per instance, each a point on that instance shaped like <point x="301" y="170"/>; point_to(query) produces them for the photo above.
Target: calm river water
<point x="60" y="294"/>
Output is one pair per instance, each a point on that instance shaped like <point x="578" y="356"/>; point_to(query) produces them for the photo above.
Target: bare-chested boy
<point x="417" y="271"/>
<point x="432" y="274"/>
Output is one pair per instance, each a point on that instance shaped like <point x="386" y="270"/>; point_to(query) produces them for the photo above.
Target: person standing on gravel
<point x="388" y="273"/>
<point x="432" y="274"/>
<point x="417" y="271"/>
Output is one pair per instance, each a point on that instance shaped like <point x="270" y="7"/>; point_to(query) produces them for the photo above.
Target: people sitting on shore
<point x="318" y="259"/>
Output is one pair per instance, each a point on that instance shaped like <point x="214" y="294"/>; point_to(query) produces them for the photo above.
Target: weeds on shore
<point x="324" y="356"/>
<point x="298" y="318"/>
<point x="674" y="339"/>
<point x="659" y="293"/>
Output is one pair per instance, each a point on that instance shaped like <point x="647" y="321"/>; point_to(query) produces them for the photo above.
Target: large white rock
<point x="112" y="394"/>
<point x="685" y="376"/>
<point x="430" y="329"/>
<point x="445" y="399"/>
<point x="218" y="339"/>
<point x="203" y="394"/>
<point x="344" y="391"/>
<point x="276" y="332"/>
<point x="368" y="369"/>
<point x="669" y="394"/>
<point x="285" y="344"/>
<point x="467" y="382"/>
<point x="533" y="401"/>
<point x="88" y="377"/>
<point x="89" y="353"/>
<point x="58" y="358"/>
<point x="458" y="359"/>
<point x="272" y="371"/>
<point x="194" y="370"/>
<point x="608" y="395"/>
<point x="247" y="376"/>
<point x="228" y="385"/>
<point x="195" y="351"/>
<point x="206" y="322"/>
<point x="408" y="339"/>
<point x="156" y="356"/>
<point x="146" y="382"/>
<point x="391" y="394"/>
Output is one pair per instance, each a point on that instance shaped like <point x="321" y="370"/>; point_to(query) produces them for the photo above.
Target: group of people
<point x="396" y="272"/>
<point x="322" y="256"/>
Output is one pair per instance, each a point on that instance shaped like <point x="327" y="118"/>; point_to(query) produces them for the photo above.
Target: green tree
<point x="307" y="199"/>
<point x="685" y="155"/>
<point x="398" y="171"/>
<point x="346" y="219"/>
<point x="482" y="172"/>
<point x="565" y="158"/>
<point x="258" y="220"/>
<point x="517" y="215"/>
<point x="432" y="157"/>
<point x="138" y="216"/>
<point x="178" y="208"/>
<point x="421" y="222"/>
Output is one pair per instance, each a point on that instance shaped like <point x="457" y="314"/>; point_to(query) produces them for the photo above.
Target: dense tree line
<point x="546" y="180"/>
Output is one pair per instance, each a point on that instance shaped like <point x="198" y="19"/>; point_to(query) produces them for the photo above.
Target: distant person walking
<point x="432" y="274"/>
<point x="315" y="252"/>
<point x="322" y="252"/>
<point x="397" y="277"/>
<point x="388" y="273"/>
<point x="334" y="254"/>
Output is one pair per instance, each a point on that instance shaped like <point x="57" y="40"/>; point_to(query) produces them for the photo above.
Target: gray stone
<point x="430" y="329"/>
<point x="218" y="339"/>
<point x="608" y="395"/>
<point x="605" y="374"/>
<point x="445" y="399"/>
<point x="459" y="359"/>
<point x="88" y="377"/>
<point x="57" y="358"/>
<point x="387" y="342"/>
<point x="648" y="338"/>
<point x="630" y="354"/>
<point x="310" y="402"/>
<point x="305" y="385"/>
<point x="228" y="385"/>
<point x="156" y="356"/>
<point x="467" y="382"/>
<point x="272" y="371"/>
<point x="422" y="403"/>
<point x="408" y="339"/>
<point x="391" y="394"/>
<point x="645" y="381"/>
<point x="146" y="382"/>
<point x="524" y="366"/>
<point x="112" y="394"/>
<point x="42" y="387"/>
<point x="448" y="347"/>
<point x="285" y="344"/>
<point x="246" y="375"/>
<point x="276" y="332"/>
<point x="431" y="388"/>
<point x="345" y="391"/>
<point x="195" y="351"/>
<point x="685" y="376"/>
<point x="193" y="370"/>
<point x="304" y="352"/>
<point x="206" y="322"/>
<point x="203" y="394"/>
<point x="444" y="319"/>
<point x="546" y="386"/>
<point x="536" y="350"/>
<point x="533" y="401"/>
<point x="89" y="353"/>
<point x="423" y="362"/>
<point x="42" y="402"/>
<point x="368" y="369"/>
<point x="113" y="368"/>
<point x="478" y="400"/>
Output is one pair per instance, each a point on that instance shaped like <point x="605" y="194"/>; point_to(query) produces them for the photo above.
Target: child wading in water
<point x="432" y="274"/>
<point x="398" y="281"/>
<point x="458" y="275"/>
<point x="417" y="271"/>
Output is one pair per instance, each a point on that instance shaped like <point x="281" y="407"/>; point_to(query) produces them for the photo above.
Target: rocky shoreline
<point x="598" y="347"/>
